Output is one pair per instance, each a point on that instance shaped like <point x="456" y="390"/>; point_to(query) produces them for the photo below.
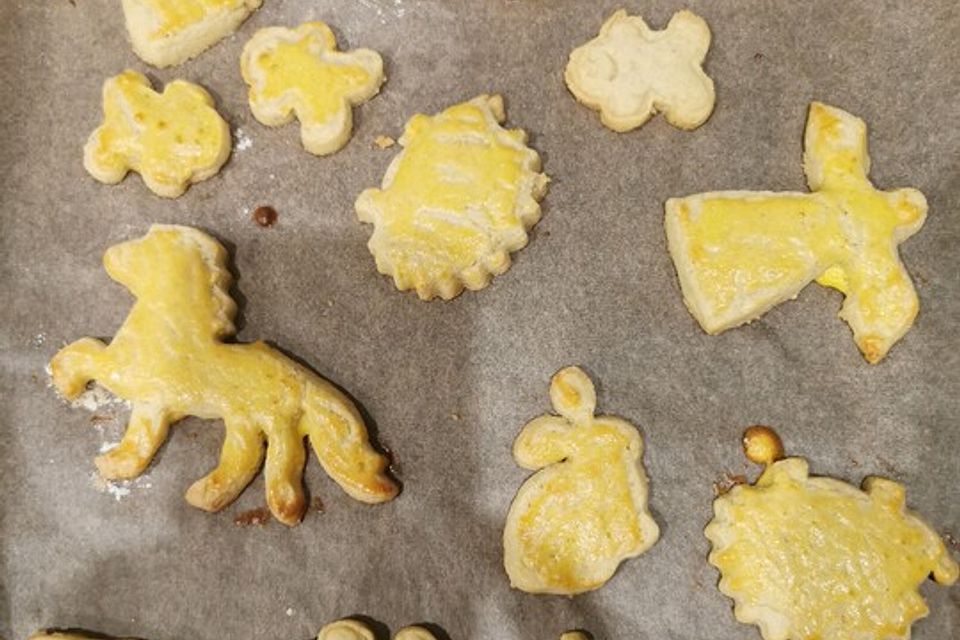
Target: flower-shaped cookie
<point x="168" y="360"/>
<point x="585" y="510"/>
<point x="629" y="72"/>
<point x="457" y="200"/>
<point x="816" y="557"/>
<point x="739" y="253"/>
<point x="300" y="72"/>
<point x="168" y="32"/>
<point x="172" y="139"/>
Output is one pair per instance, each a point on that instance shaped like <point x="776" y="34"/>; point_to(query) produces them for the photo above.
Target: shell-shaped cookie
<point x="455" y="202"/>
<point x="168" y="32"/>
<point x="585" y="511"/>
<point x="172" y="139"/>
<point x="299" y="73"/>
<point x="816" y="557"/>
<point x="630" y="72"/>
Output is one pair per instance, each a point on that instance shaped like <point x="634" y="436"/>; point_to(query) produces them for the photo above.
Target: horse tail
<point x="339" y="437"/>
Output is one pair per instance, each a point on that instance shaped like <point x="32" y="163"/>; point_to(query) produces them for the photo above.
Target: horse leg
<point x="146" y="431"/>
<point x="240" y="460"/>
<point x="283" y="471"/>
<point x="340" y="440"/>
<point x="75" y="365"/>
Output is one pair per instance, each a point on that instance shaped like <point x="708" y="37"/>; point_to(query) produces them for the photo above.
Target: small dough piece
<point x="346" y="629"/>
<point x="172" y="139"/>
<point x="816" y="557"/>
<point x="629" y="73"/>
<point x="739" y="253"/>
<point x="585" y="511"/>
<point x="455" y="202"/>
<point x="299" y="72"/>
<point x="169" y="32"/>
<point x="168" y="361"/>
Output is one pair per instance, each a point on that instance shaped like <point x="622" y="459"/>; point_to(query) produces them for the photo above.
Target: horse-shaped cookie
<point x="574" y="521"/>
<point x="168" y="360"/>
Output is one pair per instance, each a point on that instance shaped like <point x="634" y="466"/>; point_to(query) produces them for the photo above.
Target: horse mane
<point x="214" y="258"/>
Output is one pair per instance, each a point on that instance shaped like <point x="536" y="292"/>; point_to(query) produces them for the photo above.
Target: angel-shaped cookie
<point x="172" y="139"/>
<point x="168" y="32"/>
<point x="628" y="72"/>
<point x="299" y="72"/>
<point x="585" y="510"/>
<point x="456" y="202"/>
<point x="739" y="253"/>
<point x="818" y="558"/>
<point x="168" y="361"/>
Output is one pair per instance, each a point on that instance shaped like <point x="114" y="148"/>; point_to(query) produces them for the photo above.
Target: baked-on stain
<point x="259" y="516"/>
<point x="265" y="216"/>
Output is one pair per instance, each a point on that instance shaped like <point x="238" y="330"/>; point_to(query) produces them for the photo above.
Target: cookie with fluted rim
<point x="814" y="557"/>
<point x="456" y="202"/>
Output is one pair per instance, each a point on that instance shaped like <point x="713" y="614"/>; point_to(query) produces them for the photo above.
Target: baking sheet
<point x="448" y="385"/>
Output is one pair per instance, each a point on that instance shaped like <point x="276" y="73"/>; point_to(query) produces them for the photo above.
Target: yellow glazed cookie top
<point x="300" y="72"/>
<point x="454" y="204"/>
<point x="168" y="361"/>
<point x="171" y="139"/>
<point x="176" y="15"/>
<point x="585" y="510"/>
<point x="818" y="558"/>
<point x="740" y="253"/>
<point x="630" y="72"/>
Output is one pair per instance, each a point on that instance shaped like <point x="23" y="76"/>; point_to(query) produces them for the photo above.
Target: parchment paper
<point x="448" y="385"/>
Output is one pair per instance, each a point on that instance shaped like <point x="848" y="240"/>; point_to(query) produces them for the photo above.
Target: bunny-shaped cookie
<point x="585" y="510"/>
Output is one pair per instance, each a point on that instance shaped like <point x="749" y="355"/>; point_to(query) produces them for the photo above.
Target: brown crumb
<point x="317" y="505"/>
<point x="384" y="142"/>
<point x="265" y="216"/>
<point x="758" y="56"/>
<point x="98" y="418"/>
<point x="259" y="516"/>
<point x="455" y="417"/>
<point x="952" y="542"/>
<point x="729" y="481"/>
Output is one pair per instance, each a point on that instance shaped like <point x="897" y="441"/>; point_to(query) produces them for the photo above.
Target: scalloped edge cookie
<point x="448" y="284"/>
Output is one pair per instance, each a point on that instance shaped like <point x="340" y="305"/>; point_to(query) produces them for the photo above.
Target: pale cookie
<point x="585" y="511"/>
<point x="739" y="253"/>
<point x="455" y="202"/>
<point x="629" y="73"/>
<point x="168" y="361"/>
<point x="299" y="72"/>
<point x="818" y="558"/>
<point x="168" y="32"/>
<point x="172" y="139"/>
